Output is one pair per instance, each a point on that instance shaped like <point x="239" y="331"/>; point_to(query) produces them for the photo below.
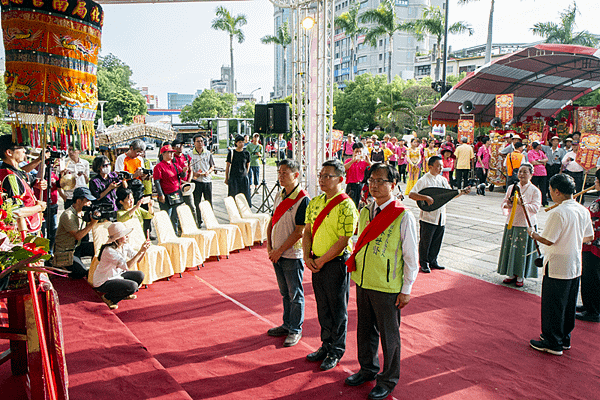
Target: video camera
<point x="99" y="212"/>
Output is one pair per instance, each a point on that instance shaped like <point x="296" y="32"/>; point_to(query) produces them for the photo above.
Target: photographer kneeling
<point x="113" y="276"/>
<point x="68" y="248"/>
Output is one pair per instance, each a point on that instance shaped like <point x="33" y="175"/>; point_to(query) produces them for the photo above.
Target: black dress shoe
<point x="437" y="266"/>
<point x="358" y="379"/>
<point x="580" y="308"/>
<point x="425" y="269"/>
<point x="318" y="355"/>
<point x="329" y="362"/>
<point x="379" y="393"/>
<point x="587" y="316"/>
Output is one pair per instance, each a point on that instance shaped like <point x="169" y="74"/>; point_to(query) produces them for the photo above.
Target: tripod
<point x="268" y="199"/>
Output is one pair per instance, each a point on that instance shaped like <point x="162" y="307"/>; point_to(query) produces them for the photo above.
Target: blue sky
<point x="171" y="48"/>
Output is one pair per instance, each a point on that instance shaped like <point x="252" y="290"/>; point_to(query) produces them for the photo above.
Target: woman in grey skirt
<point x="517" y="253"/>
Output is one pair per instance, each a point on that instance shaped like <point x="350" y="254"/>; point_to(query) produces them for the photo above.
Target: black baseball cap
<point x="176" y="142"/>
<point x="83" y="192"/>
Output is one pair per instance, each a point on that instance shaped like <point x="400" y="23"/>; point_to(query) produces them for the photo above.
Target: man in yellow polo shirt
<point x="464" y="154"/>
<point x="326" y="245"/>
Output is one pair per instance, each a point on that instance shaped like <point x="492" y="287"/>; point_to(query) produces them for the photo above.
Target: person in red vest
<point x="387" y="231"/>
<point x="15" y="182"/>
<point x="285" y="250"/>
<point x="331" y="220"/>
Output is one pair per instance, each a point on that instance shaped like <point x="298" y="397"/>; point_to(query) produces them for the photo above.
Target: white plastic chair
<point x="246" y="212"/>
<point x="248" y="226"/>
<point x="156" y="263"/>
<point x="229" y="236"/>
<point x="184" y="252"/>
<point x="207" y="240"/>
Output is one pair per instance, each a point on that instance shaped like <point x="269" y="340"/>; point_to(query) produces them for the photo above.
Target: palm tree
<point x="488" y="44"/>
<point x="390" y="106"/>
<point x="282" y="38"/>
<point x="386" y="23"/>
<point x="348" y="21"/>
<point x="564" y="32"/>
<point x="432" y="23"/>
<point x="226" y="22"/>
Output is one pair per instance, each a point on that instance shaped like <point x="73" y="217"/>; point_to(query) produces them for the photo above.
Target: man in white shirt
<point x="567" y="228"/>
<point x="573" y="169"/>
<point x="432" y="224"/>
<point x="79" y="169"/>
<point x="202" y="166"/>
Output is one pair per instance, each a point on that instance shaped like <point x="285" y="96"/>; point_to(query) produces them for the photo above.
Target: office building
<point x="222" y="85"/>
<point x="176" y="101"/>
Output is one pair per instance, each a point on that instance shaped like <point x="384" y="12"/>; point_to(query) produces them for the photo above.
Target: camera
<point x="146" y="171"/>
<point x="99" y="212"/>
<point x="124" y="176"/>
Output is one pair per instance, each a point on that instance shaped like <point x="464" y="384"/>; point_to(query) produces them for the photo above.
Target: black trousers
<point x="354" y="190"/>
<point x="551" y="170"/>
<point x="239" y="184"/>
<point x="578" y="178"/>
<point x="462" y="178"/>
<point x="50" y="224"/>
<point x="542" y="183"/>
<point x="481" y="175"/>
<point x="559" y="299"/>
<point x="377" y="315"/>
<point x="331" y="286"/>
<point x="202" y="190"/>
<point x="430" y="242"/>
<point x="78" y="270"/>
<point x="402" y="172"/>
<point x="590" y="282"/>
<point x="116" y="290"/>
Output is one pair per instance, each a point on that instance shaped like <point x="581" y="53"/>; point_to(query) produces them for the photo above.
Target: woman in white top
<point x="112" y="276"/>
<point x="517" y="253"/>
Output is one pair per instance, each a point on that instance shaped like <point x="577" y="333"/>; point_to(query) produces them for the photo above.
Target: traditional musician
<point x="413" y="159"/>
<point x="384" y="268"/>
<point x="590" y="267"/>
<point x="517" y="253"/>
<point x="431" y="223"/>
<point x="15" y="182"/>
<point x="567" y="228"/>
<point x="331" y="220"/>
<point x="285" y="250"/>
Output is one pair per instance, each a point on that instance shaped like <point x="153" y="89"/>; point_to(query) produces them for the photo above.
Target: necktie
<point x="377" y="211"/>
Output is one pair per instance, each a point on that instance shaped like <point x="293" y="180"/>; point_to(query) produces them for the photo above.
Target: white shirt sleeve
<point x="120" y="163"/>
<point x="553" y="228"/>
<point x="408" y="232"/>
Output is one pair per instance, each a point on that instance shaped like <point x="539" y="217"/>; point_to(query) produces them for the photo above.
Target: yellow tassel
<point x="513" y="211"/>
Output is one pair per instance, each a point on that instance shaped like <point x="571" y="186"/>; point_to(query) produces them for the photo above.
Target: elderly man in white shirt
<point x="79" y="169"/>
<point x="573" y="169"/>
<point x="432" y="224"/>
<point x="567" y="228"/>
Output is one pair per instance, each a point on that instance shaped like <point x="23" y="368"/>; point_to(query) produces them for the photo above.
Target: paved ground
<point x="473" y="232"/>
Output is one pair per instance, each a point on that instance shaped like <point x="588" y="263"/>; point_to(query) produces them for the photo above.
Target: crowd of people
<point x="316" y="233"/>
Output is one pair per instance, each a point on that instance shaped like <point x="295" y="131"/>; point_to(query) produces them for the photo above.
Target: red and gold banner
<point x="497" y="169"/>
<point x="466" y="128"/>
<point x="51" y="51"/>
<point x="535" y="137"/>
<point x="336" y="138"/>
<point x="588" y="119"/>
<point x="504" y="107"/>
<point x="589" y="150"/>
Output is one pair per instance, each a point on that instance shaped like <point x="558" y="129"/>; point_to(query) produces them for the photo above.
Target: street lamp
<point x="308" y="23"/>
<point x="254" y="91"/>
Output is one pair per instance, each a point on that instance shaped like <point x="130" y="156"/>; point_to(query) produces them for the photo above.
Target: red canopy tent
<point x="543" y="78"/>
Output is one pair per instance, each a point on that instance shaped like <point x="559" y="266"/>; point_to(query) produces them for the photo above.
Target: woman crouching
<point x="113" y="276"/>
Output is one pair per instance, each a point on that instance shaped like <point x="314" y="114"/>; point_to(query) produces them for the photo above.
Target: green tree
<point x="115" y="87"/>
<point x="246" y="110"/>
<point x="386" y="23"/>
<point x="230" y="24"/>
<point x="564" y="32"/>
<point x="209" y="104"/>
<point x="433" y="23"/>
<point x="4" y="127"/>
<point x="356" y="106"/>
<point x="282" y="38"/>
<point x="125" y="104"/>
<point x="348" y="22"/>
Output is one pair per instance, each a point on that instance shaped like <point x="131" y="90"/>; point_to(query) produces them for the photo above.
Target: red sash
<point x="334" y="202"/>
<point x="28" y="198"/>
<point x="286" y="205"/>
<point x="375" y="228"/>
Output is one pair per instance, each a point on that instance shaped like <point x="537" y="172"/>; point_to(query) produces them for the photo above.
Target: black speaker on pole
<point x="281" y="117"/>
<point x="261" y="112"/>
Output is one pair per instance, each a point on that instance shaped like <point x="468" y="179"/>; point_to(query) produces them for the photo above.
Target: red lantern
<point x="538" y="114"/>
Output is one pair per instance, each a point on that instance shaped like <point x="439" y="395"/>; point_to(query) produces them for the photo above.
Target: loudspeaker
<point x="496" y="123"/>
<point x="466" y="107"/>
<point x="281" y="117"/>
<point x="552" y="122"/>
<point x="261" y="112"/>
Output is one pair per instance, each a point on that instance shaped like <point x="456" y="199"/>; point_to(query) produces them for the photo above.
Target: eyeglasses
<point x="377" y="182"/>
<point x="323" y="176"/>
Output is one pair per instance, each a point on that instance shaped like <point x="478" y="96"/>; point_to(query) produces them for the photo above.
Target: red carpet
<point x="205" y="337"/>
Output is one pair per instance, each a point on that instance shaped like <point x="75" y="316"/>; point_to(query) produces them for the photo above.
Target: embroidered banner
<point x="589" y="150"/>
<point x="466" y="128"/>
<point x="588" y="119"/>
<point x="504" y="107"/>
<point x="497" y="169"/>
<point x="51" y="51"/>
<point x="336" y="139"/>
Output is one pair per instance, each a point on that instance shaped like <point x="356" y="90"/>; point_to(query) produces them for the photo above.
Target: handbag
<point x="175" y="198"/>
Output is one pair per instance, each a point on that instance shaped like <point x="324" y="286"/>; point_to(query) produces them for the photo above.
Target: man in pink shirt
<point x="355" y="172"/>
